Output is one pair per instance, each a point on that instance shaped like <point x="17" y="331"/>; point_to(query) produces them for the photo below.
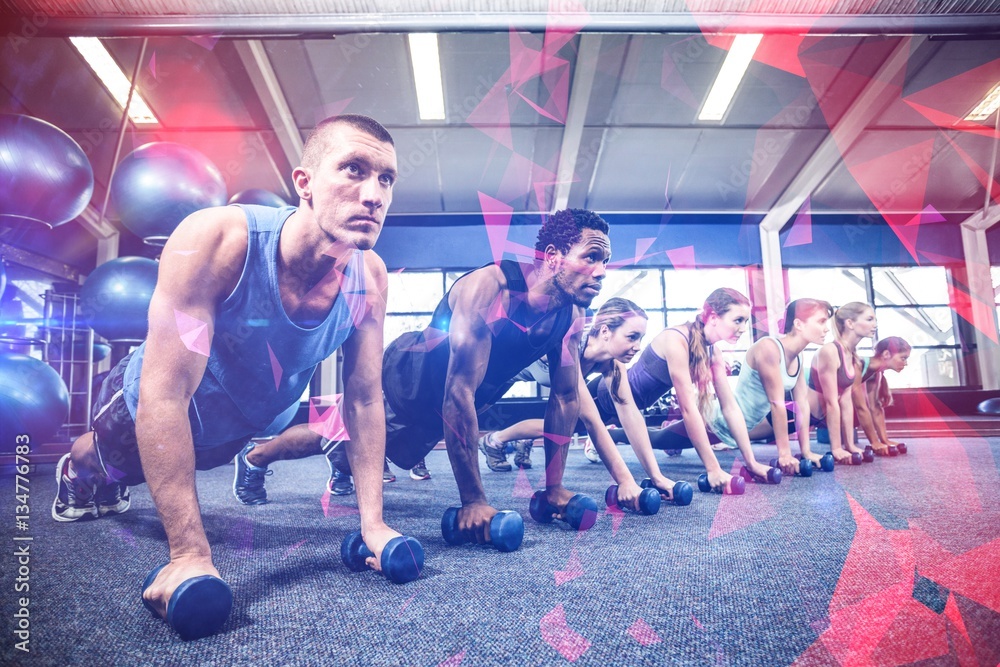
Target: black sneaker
<point x="522" y="453"/>
<point x="496" y="457"/>
<point x="387" y="475"/>
<point x="340" y="483"/>
<point x="248" y="481"/>
<point x="74" y="499"/>
<point x="112" y="498"/>
<point x="419" y="472"/>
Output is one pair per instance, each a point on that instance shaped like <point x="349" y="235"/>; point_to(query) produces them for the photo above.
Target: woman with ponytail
<point x="680" y="357"/>
<point x="832" y="374"/>
<point x="772" y="368"/>
<point x="871" y="395"/>
<point x="612" y="341"/>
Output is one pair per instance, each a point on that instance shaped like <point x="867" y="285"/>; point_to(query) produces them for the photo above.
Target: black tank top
<point x="415" y="365"/>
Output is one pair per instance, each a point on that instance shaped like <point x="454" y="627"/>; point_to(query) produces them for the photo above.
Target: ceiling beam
<point x="576" y="117"/>
<point x="870" y="102"/>
<point x="272" y="98"/>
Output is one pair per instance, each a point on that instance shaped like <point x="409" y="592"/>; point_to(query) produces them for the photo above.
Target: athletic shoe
<point x="419" y="472"/>
<point x="340" y="483"/>
<point x="590" y="451"/>
<point x="248" y="482"/>
<point x="112" y="498"/>
<point x="522" y="453"/>
<point x="496" y="457"/>
<point x="74" y="499"/>
<point x="387" y="476"/>
<point x="673" y="452"/>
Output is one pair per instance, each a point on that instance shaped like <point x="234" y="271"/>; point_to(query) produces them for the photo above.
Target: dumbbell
<point x="506" y="529"/>
<point x="901" y="448"/>
<point x="682" y="491"/>
<point x="893" y="450"/>
<point x="197" y="608"/>
<point x="869" y="454"/>
<point x="826" y="462"/>
<point x="734" y="487"/>
<point x="649" y="500"/>
<point x="401" y="562"/>
<point x="581" y="510"/>
<point x="805" y="467"/>
<point x="773" y="475"/>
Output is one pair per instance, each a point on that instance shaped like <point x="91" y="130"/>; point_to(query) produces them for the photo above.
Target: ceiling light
<point x="427" y="75"/>
<point x="114" y="80"/>
<point x="988" y="106"/>
<point x="735" y="66"/>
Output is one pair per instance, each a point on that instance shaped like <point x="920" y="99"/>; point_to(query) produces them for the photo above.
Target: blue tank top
<point x="260" y="362"/>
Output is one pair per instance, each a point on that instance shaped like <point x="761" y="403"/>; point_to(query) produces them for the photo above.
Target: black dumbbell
<point x="773" y="475"/>
<point x="649" y="500"/>
<point x="401" y="562"/>
<point x="734" y="487"/>
<point x="805" y="467"/>
<point x="581" y="510"/>
<point x="826" y="462"/>
<point x="682" y="493"/>
<point x="901" y="448"/>
<point x="197" y="608"/>
<point x="868" y="455"/>
<point x="506" y="529"/>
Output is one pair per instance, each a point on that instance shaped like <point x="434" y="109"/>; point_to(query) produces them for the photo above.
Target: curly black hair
<point x="564" y="228"/>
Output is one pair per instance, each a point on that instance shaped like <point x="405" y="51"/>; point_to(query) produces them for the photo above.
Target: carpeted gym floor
<point x="894" y="562"/>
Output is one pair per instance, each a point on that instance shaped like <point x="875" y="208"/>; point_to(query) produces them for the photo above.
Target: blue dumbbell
<point x="805" y="467"/>
<point x="826" y="462"/>
<point x="773" y="476"/>
<point x="682" y="493"/>
<point x="401" y="562"/>
<point x="734" y="487"/>
<point x="868" y="455"/>
<point x="901" y="448"/>
<point x="506" y="529"/>
<point x="581" y="510"/>
<point x="649" y="500"/>
<point x="197" y="608"/>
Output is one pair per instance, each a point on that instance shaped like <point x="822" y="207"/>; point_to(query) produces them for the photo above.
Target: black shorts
<point x="813" y="421"/>
<point x="114" y="434"/>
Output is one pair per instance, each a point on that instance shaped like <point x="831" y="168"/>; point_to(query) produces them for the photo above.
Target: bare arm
<point x="193" y="284"/>
<point x="563" y="407"/>
<point x="733" y="415"/>
<point x="634" y="424"/>
<point x="800" y="394"/>
<point x="364" y="412"/>
<point x="767" y="361"/>
<point x="859" y="398"/>
<point x="827" y="364"/>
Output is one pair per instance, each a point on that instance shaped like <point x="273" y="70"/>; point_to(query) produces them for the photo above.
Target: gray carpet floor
<point x="894" y="562"/>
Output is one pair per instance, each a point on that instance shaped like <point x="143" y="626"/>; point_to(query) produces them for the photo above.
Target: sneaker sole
<point x="72" y="514"/>
<point x="419" y="478"/>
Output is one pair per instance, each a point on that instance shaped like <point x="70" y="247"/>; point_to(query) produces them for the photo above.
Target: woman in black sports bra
<point x="832" y="374"/>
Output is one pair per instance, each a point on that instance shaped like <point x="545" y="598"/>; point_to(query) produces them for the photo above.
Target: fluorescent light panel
<point x="733" y="68"/>
<point x="427" y="74"/>
<point x="988" y="106"/>
<point x="113" y="78"/>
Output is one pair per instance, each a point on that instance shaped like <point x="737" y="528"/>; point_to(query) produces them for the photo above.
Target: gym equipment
<point x="159" y="184"/>
<point x="197" y="608"/>
<point x="401" y="562"/>
<point x="506" y="529"/>
<point x="901" y="448"/>
<point x="736" y="485"/>
<point x="581" y="510"/>
<point x="258" y="196"/>
<point x="44" y="174"/>
<point x="115" y="298"/>
<point x="33" y="398"/>
<point x="991" y="406"/>
<point x="773" y="476"/>
<point x="805" y="467"/>
<point x="826" y="462"/>
<point x="649" y="500"/>
<point x="868" y="455"/>
<point x="682" y="493"/>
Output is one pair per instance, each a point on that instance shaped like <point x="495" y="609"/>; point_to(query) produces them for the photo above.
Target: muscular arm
<point x="364" y="413"/>
<point x="192" y="284"/>
<point x="563" y="407"/>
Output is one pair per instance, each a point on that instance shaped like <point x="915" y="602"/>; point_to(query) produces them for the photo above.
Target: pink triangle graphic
<point x="557" y="634"/>
<point x="275" y="366"/>
<point x="334" y="108"/>
<point x="801" y="231"/>
<point x="643" y="633"/>
<point x="617" y="514"/>
<point x="193" y="332"/>
<point x="335" y="510"/>
<point x="184" y="253"/>
<point x="294" y="547"/>
<point x="641" y="246"/>
<point x="522" y="486"/>
<point x="927" y="216"/>
<point x="326" y="418"/>
<point x="573" y="569"/>
<point x="682" y="258"/>
<point x="497" y="216"/>
<point x="453" y="661"/>
<point x="738" y="512"/>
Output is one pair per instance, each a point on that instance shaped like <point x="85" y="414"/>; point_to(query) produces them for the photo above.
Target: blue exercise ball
<point x="3" y="279"/>
<point x="280" y="422"/>
<point x="258" y="196"/>
<point x="44" y="175"/>
<point x="991" y="406"/>
<point x="115" y="298"/>
<point x="33" y="399"/>
<point x="159" y="184"/>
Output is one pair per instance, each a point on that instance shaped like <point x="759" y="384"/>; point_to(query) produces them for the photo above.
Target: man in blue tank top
<point x="248" y="301"/>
